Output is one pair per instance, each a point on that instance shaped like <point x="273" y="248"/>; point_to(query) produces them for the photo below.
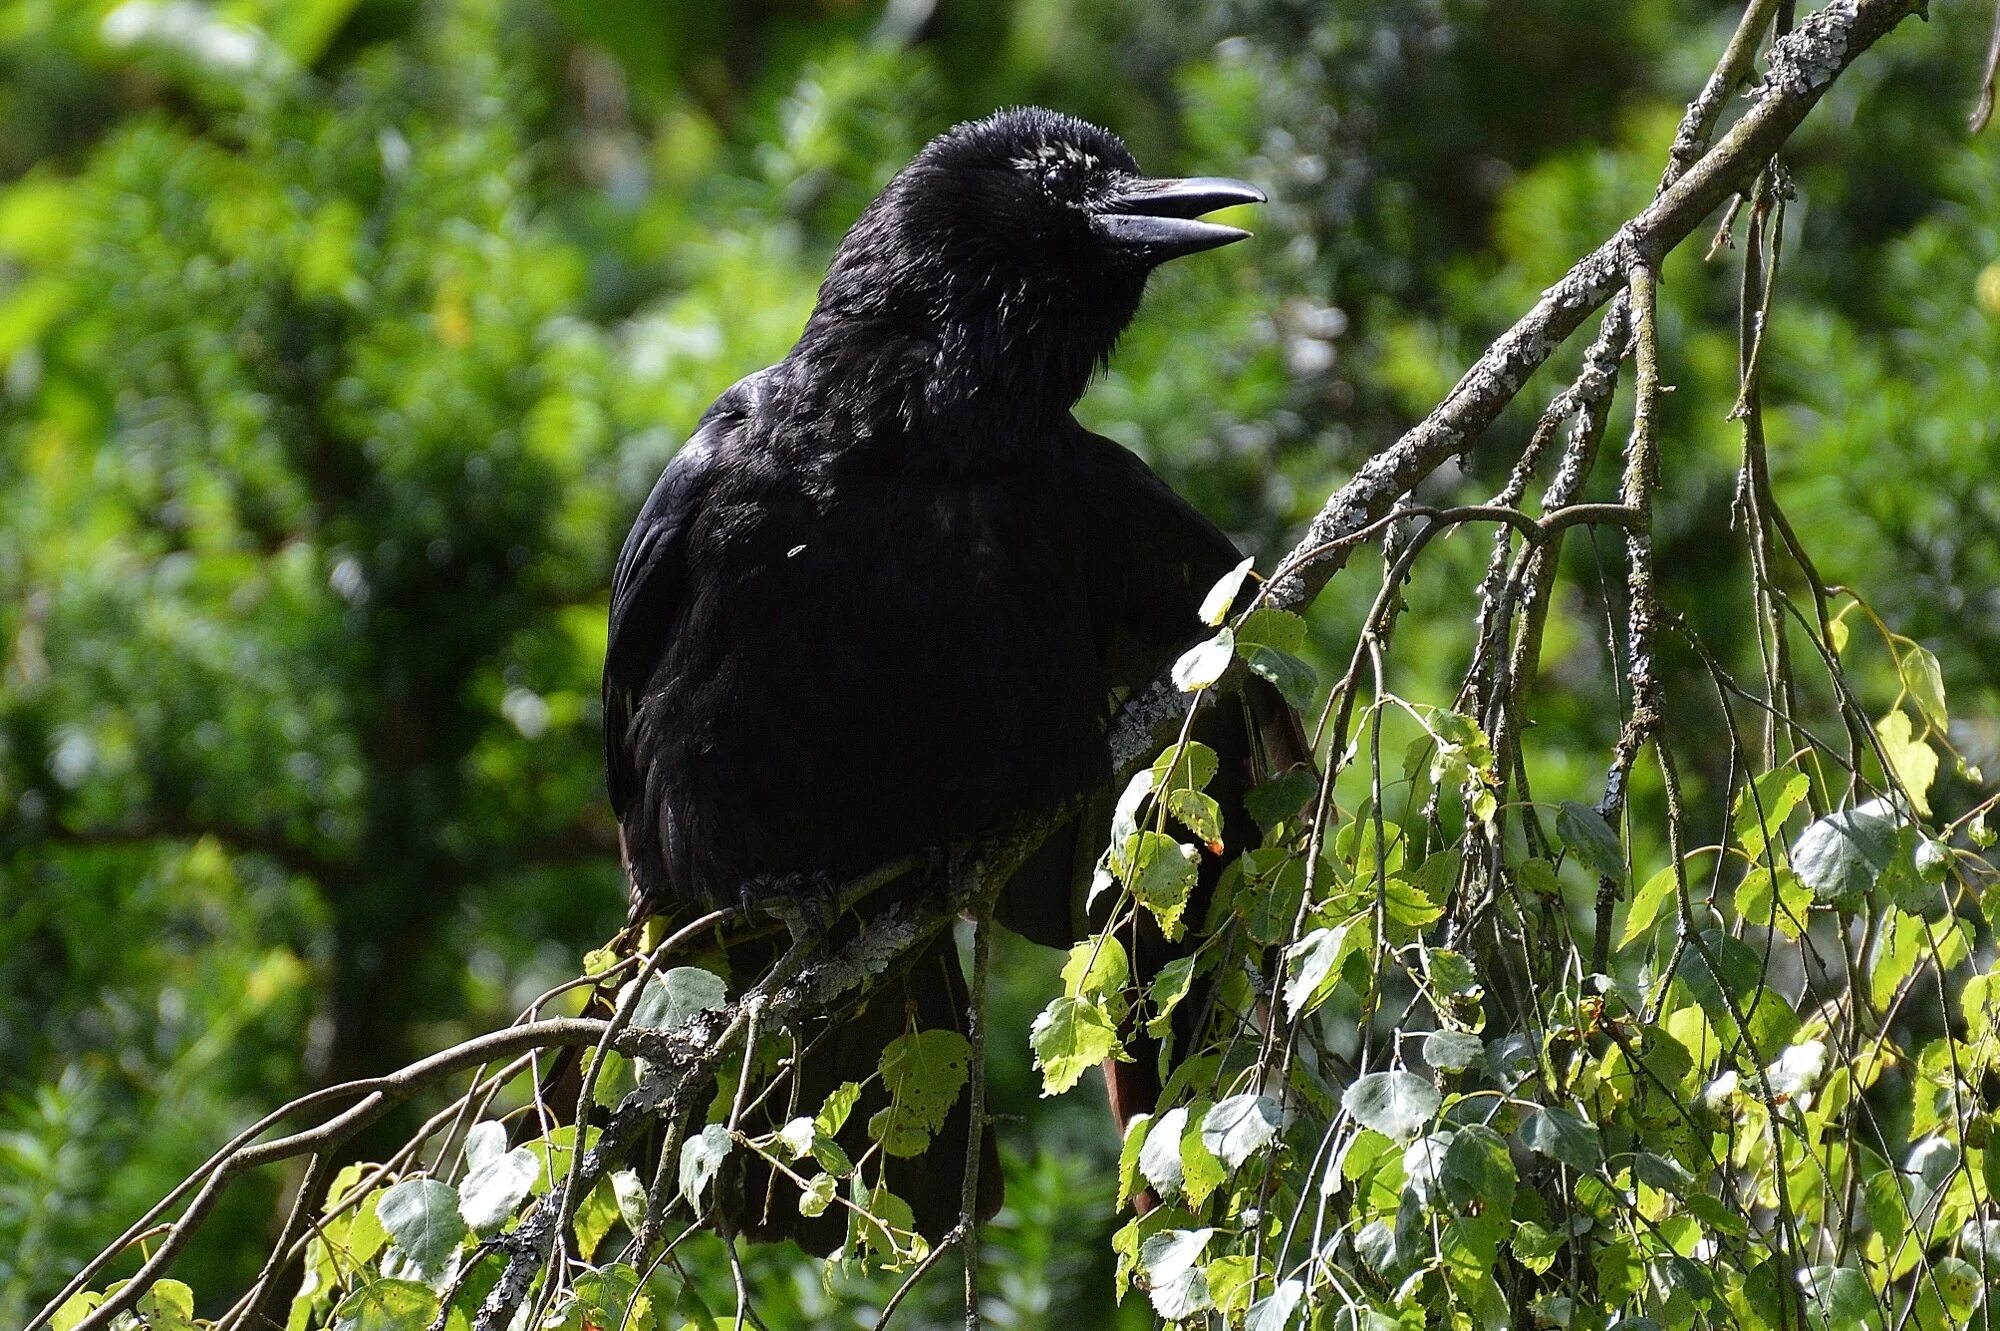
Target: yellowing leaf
<point x="1912" y="760"/>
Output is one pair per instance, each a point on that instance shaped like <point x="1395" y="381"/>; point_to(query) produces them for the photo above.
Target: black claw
<point x="807" y="903"/>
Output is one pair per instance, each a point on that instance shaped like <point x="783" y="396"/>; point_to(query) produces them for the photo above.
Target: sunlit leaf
<point x="1396" y="1104"/>
<point x="422" y="1219"/>
<point x="1071" y="1036"/>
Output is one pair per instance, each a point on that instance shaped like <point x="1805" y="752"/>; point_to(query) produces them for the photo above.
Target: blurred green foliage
<point x="340" y="338"/>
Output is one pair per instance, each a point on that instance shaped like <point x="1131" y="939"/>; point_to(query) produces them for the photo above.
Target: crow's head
<point x="1019" y="245"/>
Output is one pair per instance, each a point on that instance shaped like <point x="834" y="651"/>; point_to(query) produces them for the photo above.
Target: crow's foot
<point x="807" y="903"/>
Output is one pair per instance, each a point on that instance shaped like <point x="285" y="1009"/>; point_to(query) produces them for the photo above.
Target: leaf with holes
<point x="1161" y="873"/>
<point x="923" y="1072"/>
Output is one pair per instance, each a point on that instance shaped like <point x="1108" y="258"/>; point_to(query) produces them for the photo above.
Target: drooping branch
<point x="1802" y="66"/>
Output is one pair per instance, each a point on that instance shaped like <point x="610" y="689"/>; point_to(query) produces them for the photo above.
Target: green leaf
<point x="1539" y="876"/>
<point x="1280" y="798"/>
<point x="1453" y="974"/>
<point x="1763" y="806"/>
<point x="1841" y="856"/>
<point x="1239" y="1127"/>
<point x="1925" y="680"/>
<point x="498" y="1184"/>
<point x="1839" y="1295"/>
<point x="1778" y="901"/>
<point x="1313" y="964"/>
<point x="701" y="1157"/>
<point x="1129" y="1151"/>
<point x="1293" y="678"/>
<point x="923" y="1072"/>
<point x="1169" y="1262"/>
<point x="1913" y="762"/>
<point x="1268" y="901"/>
<point x="1097" y="968"/>
<point x="673" y="996"/>
<point x="1169" y="987"/>
<point x="1160" y="1157"/>
<point x="1279" y="629"/>
<point x="1231" y="1280"/>
<point x="1199" y="814"/>
<point x="1071" y="1036"/>
<point x="1396" y="1104"/>
<point x="1584" y="831"/>
<point x="1649" y="904"/>
<point x="608" y="1298"/>
<point x="74" y="1309"/>
<point x="1477" y="1172"/>
<point x="1204" y="663"/>
<point x="1659" y="1171"/>
<point x="167" y="1306"/>
<point x="1959" y="1283"/>
<point x="1188" y="766"/>
<point x="1562" y="1135"/>
<point x="1274" y="1311"/>
<point x="889" y="1212"/>
<point x="1453" y="1051"/>
<point x="1215" y="605"/>
<point x="387" y="1305"/>
<point x="422" y="1220"/>
<point x="1201" y="1172"/>
<point x="817" y="1195"/>
<point x="832" y="1116"/>
<point x="1406" y="903"/>
<point x="1161" y="873"/>
<point x="1535" y="1247"/>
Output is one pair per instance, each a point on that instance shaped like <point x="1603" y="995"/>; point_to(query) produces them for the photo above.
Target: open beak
<point x="1158" y="219"/>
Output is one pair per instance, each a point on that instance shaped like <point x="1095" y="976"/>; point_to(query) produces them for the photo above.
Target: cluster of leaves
<point x="1742" y="1124"/>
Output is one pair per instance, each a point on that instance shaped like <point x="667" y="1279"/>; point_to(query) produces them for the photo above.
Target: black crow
<point x="881" y="600"/>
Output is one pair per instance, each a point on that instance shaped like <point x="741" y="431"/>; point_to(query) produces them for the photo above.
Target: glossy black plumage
<point x="881" y="600"/>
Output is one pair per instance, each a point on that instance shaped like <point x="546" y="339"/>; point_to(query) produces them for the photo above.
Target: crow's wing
<point x="648" y="587"/>
<point x="1153" y="556"/>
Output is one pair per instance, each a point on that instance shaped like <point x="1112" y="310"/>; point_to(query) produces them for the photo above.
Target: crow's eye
<point x="1063" y="181"/>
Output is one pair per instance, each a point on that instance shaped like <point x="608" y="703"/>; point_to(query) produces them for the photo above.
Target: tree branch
<point x="1802" y="66"/>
